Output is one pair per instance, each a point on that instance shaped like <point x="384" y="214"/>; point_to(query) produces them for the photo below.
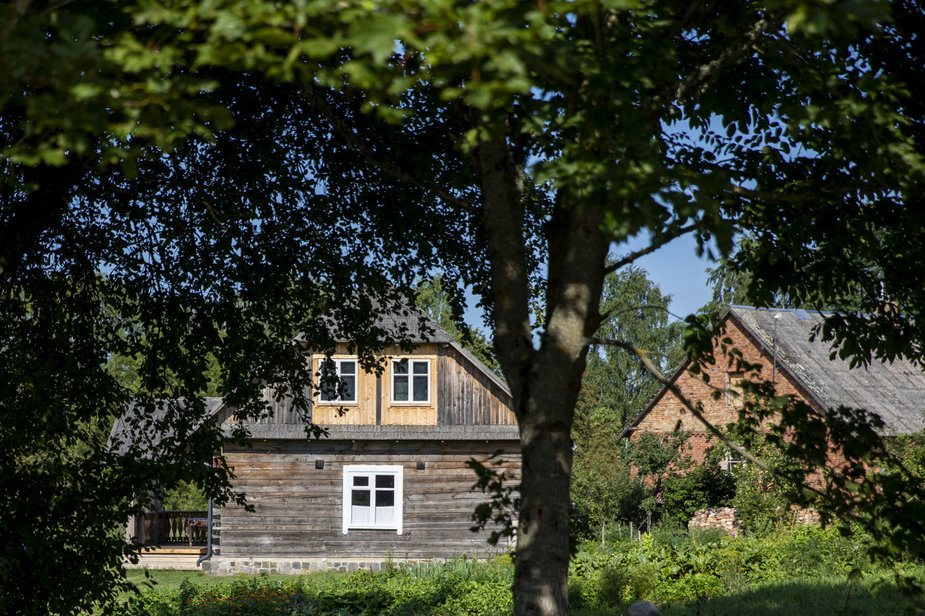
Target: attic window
<point x="346" y="371"/>
<point x="411" y="380"/>
<point x="733" y="387"/>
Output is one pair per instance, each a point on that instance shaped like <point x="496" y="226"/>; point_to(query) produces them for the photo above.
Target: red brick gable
<point x="666" y="413"/>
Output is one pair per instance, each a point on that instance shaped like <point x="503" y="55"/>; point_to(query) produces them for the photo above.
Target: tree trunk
<point x="544" y="382"/>
<point x="542" y="557"/>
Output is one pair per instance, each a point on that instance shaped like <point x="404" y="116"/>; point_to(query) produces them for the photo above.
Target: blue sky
<point x="677" y="271"/>
<point x="675" y="268"/>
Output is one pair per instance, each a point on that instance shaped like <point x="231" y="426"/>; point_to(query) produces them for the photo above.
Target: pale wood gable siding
<point x="469" y="397"/>
<point x="462" y="392"/>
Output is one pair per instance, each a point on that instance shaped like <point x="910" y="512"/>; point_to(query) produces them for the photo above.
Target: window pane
<point x="328" y="392"/>
<point x="348" y="367"/>
<point x="400" y="388"/>
<point x="360" y="498"/>
<point x="360" y="480"/>
<point x="350" y="387"/>
<point x="385" y="481"/>
<point x="361" y="516"/>
<point x="327" y="368"/>
<point x="420" y="388"/>
<point x="385" y="498"/>
<point x="400" y="366"/>
<point x="385" y="515"/>
<point x="420" y="367"/>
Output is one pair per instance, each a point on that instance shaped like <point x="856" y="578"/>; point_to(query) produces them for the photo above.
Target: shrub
<point x="474" y="599"/>
<point x="706" y="485"/>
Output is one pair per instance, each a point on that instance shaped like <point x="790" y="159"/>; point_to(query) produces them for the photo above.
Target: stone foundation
<point x="289" y="566"/>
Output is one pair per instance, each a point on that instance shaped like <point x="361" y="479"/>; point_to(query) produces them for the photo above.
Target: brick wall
<point x="669" y="414"/>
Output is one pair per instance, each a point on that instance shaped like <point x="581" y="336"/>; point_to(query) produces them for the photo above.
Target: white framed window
<point x="411" y="380"/>
<point x="373" y="497"/>
<point x="732" y="460"/>
<point x="346" y="372"/>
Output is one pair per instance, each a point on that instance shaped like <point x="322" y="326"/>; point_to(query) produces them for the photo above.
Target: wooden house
<point x="779" y="341"/>
<point x="389" y="481"/>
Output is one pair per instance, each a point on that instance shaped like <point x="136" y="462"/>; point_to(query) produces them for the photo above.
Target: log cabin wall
<point x="299" y="508"/>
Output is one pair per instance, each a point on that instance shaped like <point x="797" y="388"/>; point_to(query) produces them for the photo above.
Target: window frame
<point x="409" y="378"/>
<point x="734" y="382"/>
<point x="372" y="470"/>
<point x="731" y="460"/>
<point x="338" y="361"/>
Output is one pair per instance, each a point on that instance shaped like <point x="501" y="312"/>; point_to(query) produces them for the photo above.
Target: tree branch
<point x="642" y="354"/>
<point x="503" y="221"/>
<point x="698" y="81"/>
<point x="41" y="210"/>
<point x="655" y="245"/>
<point x="343" y="131"/>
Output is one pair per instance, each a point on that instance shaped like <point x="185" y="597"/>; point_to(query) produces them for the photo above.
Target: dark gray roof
<point x="895" y="391"/>
<point x="147" y="427"/>
<point x="418" y="325"/>
<point x="396" y="322"/>
<point x="424" y="329"/>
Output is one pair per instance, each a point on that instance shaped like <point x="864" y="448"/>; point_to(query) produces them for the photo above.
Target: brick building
<point x="778" y="340"/>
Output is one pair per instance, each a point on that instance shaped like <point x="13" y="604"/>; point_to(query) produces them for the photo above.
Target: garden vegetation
<point x="705" y="572"/>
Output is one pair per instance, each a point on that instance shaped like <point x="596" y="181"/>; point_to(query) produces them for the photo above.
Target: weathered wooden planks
<point x="460" y="393"/>
<point x="468" y="396"/>
<point x="298" y="508"/>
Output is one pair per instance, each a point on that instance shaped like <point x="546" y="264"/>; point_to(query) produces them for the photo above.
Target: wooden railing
<point x="175" y="527"/>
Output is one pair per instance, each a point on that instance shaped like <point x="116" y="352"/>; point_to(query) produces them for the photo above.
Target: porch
<point x="182" y="558"/>
<point x="172" y="539"/>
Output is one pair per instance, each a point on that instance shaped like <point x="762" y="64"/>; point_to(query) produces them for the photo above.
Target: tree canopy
<point x="192" y="179"/>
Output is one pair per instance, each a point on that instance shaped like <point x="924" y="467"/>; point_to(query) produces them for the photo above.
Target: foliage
<point x="761" y="502"/>
<point x="616" y="385"/>
<point x="186" y="496"/>
<point x="604" y="488"/>
<point x="220" y="174"/>
<point x="909" y="450"/>
<point x="684" y="567"/>
<point x="456" y="588"/>
<point x="698" y="487"/>
<point x="651" y="478"/>
<point x="674" y="570"/>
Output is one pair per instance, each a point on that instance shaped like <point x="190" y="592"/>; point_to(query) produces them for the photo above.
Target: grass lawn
<point x="170" y="579"/>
